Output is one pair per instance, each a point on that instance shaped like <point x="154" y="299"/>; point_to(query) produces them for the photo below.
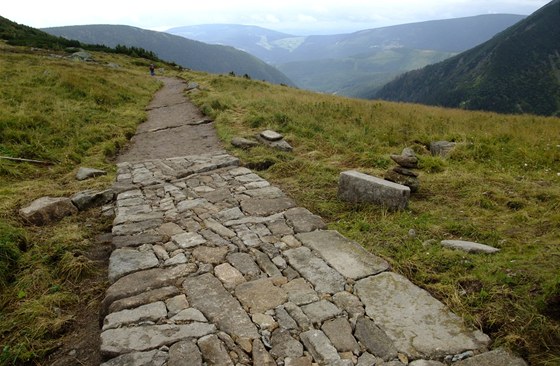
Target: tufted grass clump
<point x="500" y="186"/>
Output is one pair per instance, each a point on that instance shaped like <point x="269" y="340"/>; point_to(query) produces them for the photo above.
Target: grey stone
<point x="320" y="311"/>
<point x="142" y="338"/>
<point x="134" y="228"/>
<point x="150" y="358"/>
<point x="190" y="204"/>
<point x="264" y="321"/>
<point x="46" y="210"/>
<point x="298" y="315"/>
<point x="214" y="352"/>
<point x="405" y="171"/>
<point x="125" y="261"/>
<point x="90" y="198"/>
<point x="271" y="135"/>
<point x="147" y="297"/>
<point x="419" y="325"/>
<point x="405" y="161"/>
<point x="346" y="256"/>
<point x="265" y="192"/>
<point x="441" y="148"/>
<point x="260" y="295"/>
<point x="180" y="258"/>
<point x="149" y="312"/>
<point x="339" y="331"/>
<point x="176" y="304"/>
<point x="128" y="218"/>
<point x="374" y="339"/>
<point x="266" y="264"/>
<point x="282" y="145"/>
<point x="169" y="229"/>
<point x="283" y="345"/>
<point x="85" y="173"/>
<point x="188" y="240"/>
<point x="207" y="294"/>
<point x="229" y="215"/>
<point x="367" y="359"/>
<point x="136" y="240"/>
<point x="349" y="303"/>
<point x="210" y="254"/>
<point x="260" y="355"/>
<point x="184" y="353"/>
<point x="469" y="247"/>
<point x="279" y="228"/>
<point x="315" y="270"/>
<point x="229" y="275"/>
<point x="219" y="228"/>
<point x="320" y="347"/>
<point x="218" y="195"/>
<point x="190" y="315"/>
<point x="243" y="143"/>
<point x="358" y="187"/>
<point x="425" y="363"/>
<point x="285" y="321"/>
<point x="406" y="180"/>
<point x="265" y="206"/>
<point x="497" y="357"/>
<point x="302" y="220"/>
<point x="300" y="292"/>
<point x="299" y="361"/>
<point x="139" y="282"/>
<point x="244" y="263"/>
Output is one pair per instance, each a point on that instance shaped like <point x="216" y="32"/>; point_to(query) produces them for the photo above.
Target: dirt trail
<point x="175" y="127"/>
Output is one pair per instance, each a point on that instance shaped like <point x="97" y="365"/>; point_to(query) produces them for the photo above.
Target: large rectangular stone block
<point x="358" y="187"/>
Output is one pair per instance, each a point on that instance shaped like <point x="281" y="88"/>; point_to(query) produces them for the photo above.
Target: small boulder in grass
<point x="86" y="173"/>
<point x="469" y="247"/>
<point x="46" y="210"/>
<point x="271" y="135"/>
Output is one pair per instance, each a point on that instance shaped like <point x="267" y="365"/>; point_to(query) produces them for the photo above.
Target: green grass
<point x="70" y="114"/>
<point x="499" y="187"/>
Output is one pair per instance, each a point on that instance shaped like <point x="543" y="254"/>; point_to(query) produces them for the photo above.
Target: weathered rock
<point x="346" y="256"/>
<point x="285" y="321"/>
<point x="339" y="331"/>
<point x="426" y="363"/>
<point x="188" y="240"/>
<point x="142" y="338"/>
<point x="367" y="359"/>
<point x="298" y="315"/>
<point x="136" y="240"/>
<point x="302" y="220"/>
<point x="469" y="247"/>
<point x="229" y="275"/>
<point x="184" y="353"/>
<point x="85" y="173"/>
<point x="210" y="254"/>
<point x="260" y="355"/>
<point x="150" y="358"/>
<point x="213" y="351"/>
<point x="419" y="325"/>
<point x="315" y="270"/>
<point x="320" y="347"/>
<point x="189" y="315"/>
<point x="442" y="148"/>
<point x="244" y="263"/>
<point x="266" y="264"/>
<point x="207" y="294"/>
<point x="271" y="135"/>
<point x="299" y="361"/>
<point x="357" y="187"/>
<point x="319" y="311"/>
<point x="282" y="145"/>
<point x="260" y="295"/>
<point x="125" y="261"/>
<point x="374" y="339"/>
<point x="349" y="303"/>
<point x="149" y="312"/>
<point x="267" y="206"/>
<point x="243" y="143"/>
<point x="46" y="210"/>
<point x="176" y="304"/>
<point x="405" y="171"/>
<point x="300" y="292"/>
<point x="87" y="199"/>
<point x="139" y="282"/>
<point x="405" y="161"/>
<point x="284" y="345"/>
<point x="406" y="180"/>
<point x="147" y="297"/>
<point x="497" y="357"/>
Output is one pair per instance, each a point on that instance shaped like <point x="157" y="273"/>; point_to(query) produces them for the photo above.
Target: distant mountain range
<point x="517" y="71"/>
<point x="355" y="64"/>
<point x="185" y="52"/>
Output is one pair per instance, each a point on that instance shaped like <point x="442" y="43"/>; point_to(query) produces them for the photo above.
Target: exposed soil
<point x="175" y="127"/>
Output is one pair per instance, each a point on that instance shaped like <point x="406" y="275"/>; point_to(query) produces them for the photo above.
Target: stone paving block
<point x="189" y="315"/>
<point x="213" y="351"/>
<point x="207" y="294"/>
<point x="419" y="325"/>
<point x="315" y="270"/>
<point x="210" y="255"/>
<point x="317" y="343"/>
<point x="146" y="313"/>
<point x="147" y="297"/>
<point x="300" y="292"/>
<point x="260" y="295"/>
<point x="185" y="353"/>
<point x="125" y="261"/>
<point x="339" y="331"/>
<point x="261" y="356"/>
<point x="284" y="345"/>
<point x="229" y="275"/>
<point x="319" y="311"/>
<point x="188" y="240"/>
<point x="147" y="337"/>
<point x="137" y="240"/>
<point x="150" y="358"/>
<point x="302" y="220"/>
<point x="266" y="206"/>
<point x="245" y="263"/>
<point x="176" y="304"/>
<point x="266" y="264"/>
<point x="497" y="357"/>
<point x="374" y="339"/>
<point x="344" y="255"/>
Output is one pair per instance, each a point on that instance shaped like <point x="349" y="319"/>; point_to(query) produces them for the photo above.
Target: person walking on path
<point x="152" y="70"/>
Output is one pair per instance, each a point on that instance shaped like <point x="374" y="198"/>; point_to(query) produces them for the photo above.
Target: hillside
<point x="517" y="71"/>
<point x="187" y="53"/>
<point x="355" y="64"/>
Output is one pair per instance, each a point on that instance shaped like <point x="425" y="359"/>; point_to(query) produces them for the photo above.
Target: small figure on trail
<point x="152" y="70"/>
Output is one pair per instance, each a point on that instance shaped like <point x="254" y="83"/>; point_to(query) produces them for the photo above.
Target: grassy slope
<point x="72" y="114"/>
<point x="500" y="187"/>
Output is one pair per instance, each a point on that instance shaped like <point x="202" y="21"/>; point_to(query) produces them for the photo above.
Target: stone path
<point x="214" y="266"/>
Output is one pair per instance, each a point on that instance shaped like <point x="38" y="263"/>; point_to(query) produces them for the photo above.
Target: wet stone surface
<point x="213" y="265"/>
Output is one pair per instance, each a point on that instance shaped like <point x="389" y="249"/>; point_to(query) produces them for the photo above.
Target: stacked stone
<point x="403" y="174"/>
<point x="215" y="266"/>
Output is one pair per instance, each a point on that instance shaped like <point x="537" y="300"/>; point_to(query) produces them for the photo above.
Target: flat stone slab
<point x="149" y="312"/>
<point x="260" y="295"/>
<point x="271" y="135"/>
<point x="497" y="357"/>
<point x="150" y="358"/>
<point x="469" y="246"/>
<point x="357" y="187"/>
<point x="207" y="294"/>
<point x="419" y="325"/>
<point x="125" y="261"/>
<point x="344" y="255"/>
<point x="315" y="270"/>
<point x="143" y="338"/>
<point x="266" y="206"/>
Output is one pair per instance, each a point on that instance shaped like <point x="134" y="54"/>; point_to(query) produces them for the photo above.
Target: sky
<point x="299" y="17"/>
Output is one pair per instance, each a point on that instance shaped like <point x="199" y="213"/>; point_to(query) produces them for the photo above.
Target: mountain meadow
<point x="500" y="186"/>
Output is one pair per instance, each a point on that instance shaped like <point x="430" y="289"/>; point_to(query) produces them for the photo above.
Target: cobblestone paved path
<point x="214" y="266"/>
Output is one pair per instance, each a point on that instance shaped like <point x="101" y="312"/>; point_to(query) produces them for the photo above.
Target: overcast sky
<point x="301" y="17"/>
